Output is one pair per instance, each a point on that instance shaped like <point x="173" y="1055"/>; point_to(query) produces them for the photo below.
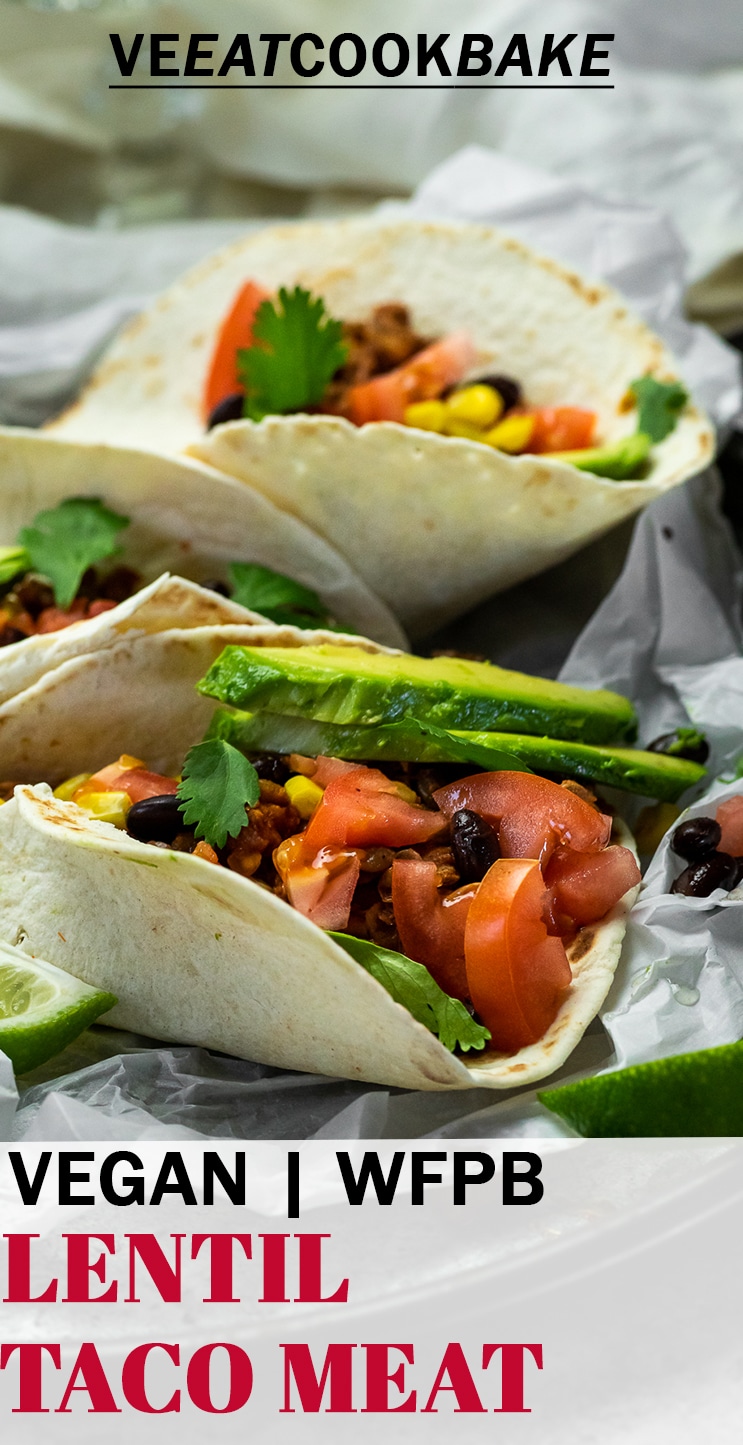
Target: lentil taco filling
<point x="277" y="356"/>
<point x="483" y="878"/>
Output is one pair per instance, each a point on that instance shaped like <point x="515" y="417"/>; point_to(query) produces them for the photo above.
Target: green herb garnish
<point x="276" y="597"/>
<point x="61" y="544"/>
<point x="218" y="784"/>
<point x="411" y="985"/>
<point x="659" y="405"/>
<point x="299" y="349"/>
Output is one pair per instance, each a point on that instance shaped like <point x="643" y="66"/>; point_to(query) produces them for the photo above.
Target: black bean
<point x="156" y="819"/>
<point x="474" y="845"/>
<point x="695" y="838"/>
<point x="229" y="409"/>
<point x="719" y="870"/>
<point x="694" y="748"/>
<point x="212" y="584"/>
<point x="272" y="767"/>
<point x="508" y="389"/>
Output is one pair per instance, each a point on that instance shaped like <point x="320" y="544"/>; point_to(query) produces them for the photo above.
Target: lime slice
<point x="688" y="1095"/>
<point x="42" y="1008"/>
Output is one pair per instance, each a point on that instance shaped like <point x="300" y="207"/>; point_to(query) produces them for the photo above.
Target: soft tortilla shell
<point x="134" y="692"/>
<point x="184" y="518"/>
<point x="198" y="955"/>
<point x="435" y="524"/>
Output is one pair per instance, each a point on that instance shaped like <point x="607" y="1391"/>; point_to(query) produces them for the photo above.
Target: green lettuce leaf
<point x="411" y="985"/>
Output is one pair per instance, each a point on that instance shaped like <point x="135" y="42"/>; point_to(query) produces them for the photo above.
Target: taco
<point x="312" y="911"/>
<point x="86" y="531"/>
<point x="451" y="411"/>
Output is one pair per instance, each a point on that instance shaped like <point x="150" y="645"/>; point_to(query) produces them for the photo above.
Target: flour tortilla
<point x="132" y="688"/>
<point x="185" y="518"/>
<point x="195" y="954"/>
<point x="433" y="524"/>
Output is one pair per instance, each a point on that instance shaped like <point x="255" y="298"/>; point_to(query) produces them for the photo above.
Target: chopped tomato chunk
<point x="561" y="428"/>
<point x="362" y="808"/>
<point x="130" y="776"/>
<point x="517" y="975"/>
<point x="730" y="817"/>
<point x="324" y="892"/>
<point x="235" y="333"/>
<point x="585" y="886"/>
<point x="54" y="619"/>
<point x="423" y="377"/>
<point x="531" y="814"/>
<point x="431" y="925"/>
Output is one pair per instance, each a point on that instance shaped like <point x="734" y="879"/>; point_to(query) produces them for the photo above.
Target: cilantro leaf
<point x="300" y="348"/>
<point x="13" y="560"/>
<point x="411" y="985"/>
<point x="62" y="543"/>
<point x="275" y="596"/>
<point x="218" y="784"/>
<point x="659" y="404"/>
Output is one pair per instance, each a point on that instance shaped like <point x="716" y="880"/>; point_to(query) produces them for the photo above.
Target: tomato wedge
<point x="362" y="808"/>
<point x="235" y="332"/>
<point x="425" y="376"/>
<point x="532" y="814"/>
<point x="561" y="428"/>
<point x="585" y="886"/>
<point x="730" y="817"/>
<point x="130" y="776"/>
<point x="431" y="926"/>
<point x="323" y="891"/>
<point x="517" y="974"/>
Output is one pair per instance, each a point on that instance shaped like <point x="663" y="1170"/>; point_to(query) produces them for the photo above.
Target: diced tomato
<point x="323" y="890"/>
<point x="235" y="333"/>
<point x="561" y="428"/>
<point x="54" y="619"/>
<point x="422" y="378"/>
<point x="517" y="975"/>
<point x="130" y="776"/>
<point x="102" y="604"/>
<point x="730" y="817"/>
<point x="585" y="886"/>
<point x="328" y="769"/>
<point x="431" y="926"/>
<point x="531" y="814"/>
<point x="362" y="808"/>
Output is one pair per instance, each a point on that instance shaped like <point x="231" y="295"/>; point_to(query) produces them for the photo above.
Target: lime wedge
<point x="687" y="1095"/>
<point x="42" y="1008"/>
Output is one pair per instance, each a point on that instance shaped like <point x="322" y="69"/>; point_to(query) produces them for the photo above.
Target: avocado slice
<point x="621" y="461"/>
<point x="348" y="685"/>
<point x="654" y="775"/>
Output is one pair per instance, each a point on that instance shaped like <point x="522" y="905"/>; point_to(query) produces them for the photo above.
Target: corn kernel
<point x="304" y="795"/>
<point x="479" y="405"/>
<point x="426" y="415"/>
<point x="108" y="807"/>
<point x="653" y="822"/>
<point x="456" y="428"/>
<point x="66" y="790"/>
<point x="127" y="761"/>
<point x="406" y="793"/>
<point x="511" y="435"/>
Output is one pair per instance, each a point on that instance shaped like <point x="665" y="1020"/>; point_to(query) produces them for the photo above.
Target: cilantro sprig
<point x="217" y="785"/>
<point x="63" y="543"/>
<point x="411" y="985"/>
<point x="277" y="597"/>
<point x="299" y="348"/>
<point x="659" y="405"/>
